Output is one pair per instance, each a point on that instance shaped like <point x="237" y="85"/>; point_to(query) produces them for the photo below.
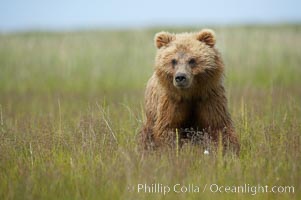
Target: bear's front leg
<point x="214" y="118"/>
<point x="170" y="116"/>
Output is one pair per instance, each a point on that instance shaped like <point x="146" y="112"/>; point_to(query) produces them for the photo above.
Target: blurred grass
<point x="71" y="107"/>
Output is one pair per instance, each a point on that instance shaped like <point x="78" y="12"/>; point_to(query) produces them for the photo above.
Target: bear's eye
<point x="192" y="61"/>
<point x="174" y="62"/>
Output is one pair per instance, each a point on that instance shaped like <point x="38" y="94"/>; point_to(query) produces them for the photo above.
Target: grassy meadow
<point x="71" y="105"/>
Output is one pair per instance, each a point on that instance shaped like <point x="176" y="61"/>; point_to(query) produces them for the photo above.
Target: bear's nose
<point x="180" y="77"/>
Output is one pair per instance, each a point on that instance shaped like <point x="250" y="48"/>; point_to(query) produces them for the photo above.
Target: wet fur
<point x="203" y="106"/>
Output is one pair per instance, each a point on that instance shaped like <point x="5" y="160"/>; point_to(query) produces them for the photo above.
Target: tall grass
<point x="71" y="107"/>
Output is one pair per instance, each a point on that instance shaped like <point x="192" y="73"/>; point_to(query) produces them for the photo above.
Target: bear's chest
<point x="185" y="115"/>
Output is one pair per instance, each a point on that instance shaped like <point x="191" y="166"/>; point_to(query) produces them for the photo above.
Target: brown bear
<point x="186" y="92"/>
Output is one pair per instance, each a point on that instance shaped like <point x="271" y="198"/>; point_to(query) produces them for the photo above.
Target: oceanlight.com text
<point x="212" y="188"/>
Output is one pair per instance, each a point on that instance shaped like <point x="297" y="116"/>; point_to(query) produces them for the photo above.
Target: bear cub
<point x="185" y="95"/>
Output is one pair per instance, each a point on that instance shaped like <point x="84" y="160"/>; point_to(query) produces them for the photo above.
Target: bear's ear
<point x="207" y="36"/>
<point x="162" y="39"/>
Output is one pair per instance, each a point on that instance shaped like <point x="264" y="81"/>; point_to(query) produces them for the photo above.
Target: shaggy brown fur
<point x="196" y="101"/>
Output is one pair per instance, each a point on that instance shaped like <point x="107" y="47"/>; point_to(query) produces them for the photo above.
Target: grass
<point x="71" y="105"/>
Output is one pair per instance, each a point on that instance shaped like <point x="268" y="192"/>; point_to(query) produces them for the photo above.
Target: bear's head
<point x="188" y="60"/>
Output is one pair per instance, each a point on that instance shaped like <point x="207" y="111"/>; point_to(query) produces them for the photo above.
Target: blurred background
<point x="80" y="14"/>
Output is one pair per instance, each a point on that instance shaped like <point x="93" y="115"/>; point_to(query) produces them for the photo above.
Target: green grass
<point x="71" y="105"/>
